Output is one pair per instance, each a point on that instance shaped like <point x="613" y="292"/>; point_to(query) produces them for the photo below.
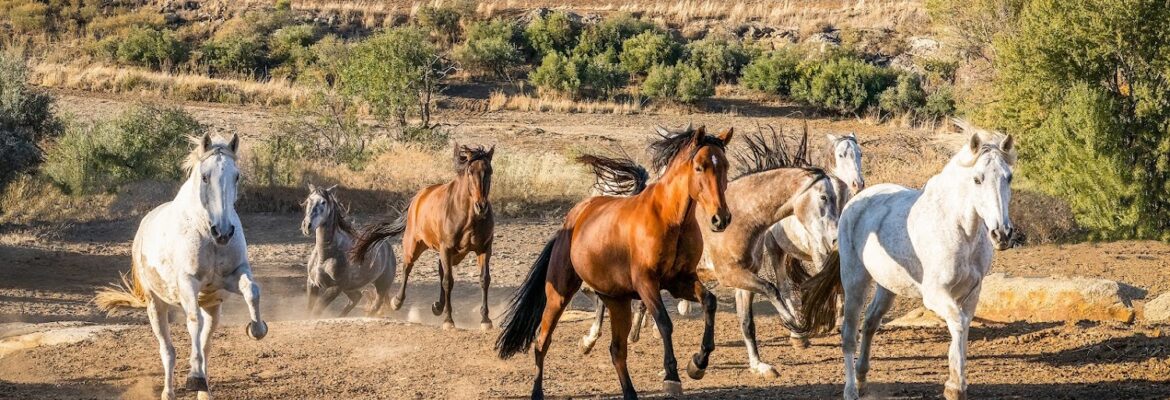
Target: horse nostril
<point x="214" y="231"/>
<point x="715" y="221"/>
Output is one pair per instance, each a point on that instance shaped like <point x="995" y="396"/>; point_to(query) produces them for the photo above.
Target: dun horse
<point x="936" y="243"/>
<point x="631" y="248"/>
<point x="189" y="253"/>
<point x="454" y="219"/>
<point x="330" y="271"/>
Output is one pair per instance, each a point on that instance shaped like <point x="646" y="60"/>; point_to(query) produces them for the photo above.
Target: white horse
<point x="189" y="253"/>
<point x="936" y="243"/>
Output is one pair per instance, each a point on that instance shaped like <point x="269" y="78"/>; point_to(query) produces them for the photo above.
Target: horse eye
<point x="1009" y="178"/>
<point x="978" y="180"/>
<point x="204" y="178"/>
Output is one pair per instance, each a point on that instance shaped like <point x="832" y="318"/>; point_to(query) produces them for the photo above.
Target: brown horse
<point x="629" y="248"/>
<point x="454" y="219"/>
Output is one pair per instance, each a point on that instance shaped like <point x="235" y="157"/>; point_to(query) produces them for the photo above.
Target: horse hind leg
<point x="639" y="320"/>
<point x="855" y="280"/>
<point x="355" y="297"/>
<point x="159" y="313"/>
<point x="382" y="290"/>
<point x="590" y="338"/>
<point x="620" y="328"/>
<point x="882" y="300"/>
<point x="211" y="321"/>
<point x="744" y="300"/>
<point x="410" y="253"/>
<point x="555" y="304"/>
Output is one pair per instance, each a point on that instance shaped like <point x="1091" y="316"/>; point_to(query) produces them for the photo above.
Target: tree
<point x="397" y="72"/>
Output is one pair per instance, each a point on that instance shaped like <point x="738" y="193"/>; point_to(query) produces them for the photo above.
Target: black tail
<point x="374" y="233"/>
<point x="616" y="176"/>
<point x="526" y="308"/>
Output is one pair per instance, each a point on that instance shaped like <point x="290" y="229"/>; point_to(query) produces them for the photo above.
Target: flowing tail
<point x="819" y="296"/>
<point x="526" y="308"/>
<point x="374" y="233"/>
<point x="129" y="294"/>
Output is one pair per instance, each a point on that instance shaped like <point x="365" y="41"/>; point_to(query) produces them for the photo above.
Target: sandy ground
<point x="52" y="280"/>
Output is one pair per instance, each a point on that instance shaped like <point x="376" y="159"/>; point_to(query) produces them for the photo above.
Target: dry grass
<point x="184" y="87"/>
<point x="501" y="101"/>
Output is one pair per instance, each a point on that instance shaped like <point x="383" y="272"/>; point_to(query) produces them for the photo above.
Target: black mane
<point x="766" y="152"/>
<point x="670" y="144"/>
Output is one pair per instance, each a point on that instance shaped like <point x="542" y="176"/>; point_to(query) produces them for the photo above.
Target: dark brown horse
<point x="454" y="219"/>
<point x="629" y="248"/>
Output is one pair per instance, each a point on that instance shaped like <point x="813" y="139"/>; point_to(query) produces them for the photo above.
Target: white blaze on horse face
<point x="219" y="176"/>
<point x="316" y="208"/>
<point x="847" y="161"/>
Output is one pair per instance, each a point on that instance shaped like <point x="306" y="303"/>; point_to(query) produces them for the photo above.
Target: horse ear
<point x="831" y="137"/>
<point x="662" y="130"/>
<point x="852" y="135"/>
<point x="312" y="188"/>
<point x="697" y="135"/>
<point x="726" y="135"/>
<point x="976" y="141"/>
<point x="235" y="143"/>
<point x="206" y="143"/>
<point x="491" y="152"/>
<point x="330" y="189"/>
<point x="1008" y="143"/>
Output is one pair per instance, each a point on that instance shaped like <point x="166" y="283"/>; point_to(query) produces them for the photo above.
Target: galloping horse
<point x="329" y="265"/>
<point x="631" y="248"/>
<point x="454" y="219"/>
<point x="936" y="243"/>
<point x="189" y="253"/>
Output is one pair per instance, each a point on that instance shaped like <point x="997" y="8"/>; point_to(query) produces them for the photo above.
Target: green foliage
<point x="940" y="70"/>
<point x="490" y="48"/>
<point x="146" y="47"/>
<point x="145" y="142"/>
<point x="553" y="33"/>
<point x="939" y="103"/>
<point x="720" y="60"/>
<point x="682" y="83"/>
<point x="975" y="23"/>
<point x="395" y="72"/>
<point x="606" y="38"/>
<point x="601" y="76"/>
<point x="842" y="84"/>
<point x="904" y="97"/>
<point x="646" y="50"/>
<point x="1086" y="84"/>
<point x="773" y="72"/>
<point x="557" y="74"/>
<point x="442" y="22"/>
<point x="324" y="130"/>
<point x="29" y="17"/>
<point x="284" y="5"/>
<point x="290" y="50"/>
<point x="240" y="55"/>
<point x="26" y="118"/>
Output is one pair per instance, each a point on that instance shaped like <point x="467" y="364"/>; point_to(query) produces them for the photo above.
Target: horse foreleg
<point x="485" y="282"/>
<point x="159" y="313"/>
<point x="210" y="322"/>
<point x="325" y="299"/>
<point x="189" y="298"/>
<point x="313" y="293"/>
<point x="620" y="328"/>
<point x="355" y="297"/>
<point x="957" y="312"/>
<point x="651" y="296"/>
<point x="698" y="366"/>
<point x="882" y="300"/>
<point x="747" y="325"/>
<point x="241" y="283"/>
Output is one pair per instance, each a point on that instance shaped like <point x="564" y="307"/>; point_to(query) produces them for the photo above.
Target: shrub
<point x="29" y="17"/>
<point x="718" y="59"/>
<point x="553" y="33"/>
<point x="557" y="73"/>
<point x="905" y="96"/>
<point x="646" y="50"/>
<point x="940" y="70"/>
<point x="842" y="84"/>
<point x="680" y="83"/>
<point x="606" y="37"/>
<point x="115" y="24"/>
<point x="145" y="142"/>
<point x="325" y="130"/>
<point x="1084" y="83"/>
<point x="975" y="23"/>
<point x="772" y="72"/>
<point x="26" y="118"/>
<point x="939" y="103"/>
<point x="242" y="55"/>
<point x="603" y="77"/>
<point x="395" y="72"/>
<point x="490" y="48"/>
<point x="147" y="47"/>
<point x="442" y="22"/>
<point x="291" y="42"/>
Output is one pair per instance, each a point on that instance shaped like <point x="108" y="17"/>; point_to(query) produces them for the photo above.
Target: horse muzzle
<point x="222" y="238"/>
<point x="720" y="221"/>
<point x="481" y="207"/>
<point x="1002" y="238"/>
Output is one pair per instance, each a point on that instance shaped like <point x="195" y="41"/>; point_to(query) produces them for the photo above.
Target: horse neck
<point x="188" y="198"/>
<point x="944" y="203"/>
<point x="671" y="194"/>
<point x="761" y="209"/>
<point x="460" y="190"/>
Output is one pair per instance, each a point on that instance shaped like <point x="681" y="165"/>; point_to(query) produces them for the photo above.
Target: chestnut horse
<point x="629" y="248"/>
<point x="454" y="219"/>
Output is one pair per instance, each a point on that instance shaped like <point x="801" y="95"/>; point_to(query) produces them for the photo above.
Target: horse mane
<point x="670" y="143"/>
<point x="617" y="176"/>
<point x="465" y="155"/>
<point x="766" y="152"/>
<point x="197" y="155"/>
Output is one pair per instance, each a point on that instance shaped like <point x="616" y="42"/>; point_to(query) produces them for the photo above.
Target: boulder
<point x="1158" y="309"/>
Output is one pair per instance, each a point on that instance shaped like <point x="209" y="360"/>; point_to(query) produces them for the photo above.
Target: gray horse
<point x="330" y="270"/>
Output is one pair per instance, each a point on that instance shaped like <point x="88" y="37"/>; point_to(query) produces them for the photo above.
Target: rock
<point x="923" y="46"/>
<point x="1053" y="299"/>
<point x="1158" y="309"/>
<point x="918" y="317"/>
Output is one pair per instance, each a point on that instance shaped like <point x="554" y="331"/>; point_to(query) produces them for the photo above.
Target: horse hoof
<point x="196" y="384"/>
<point x="684" y="307"/>
<point x="798" y="342"/>
<point x="765" y="370"/>
<point x="437" y="309"/>
<point x="448" y="325"/>
<point x="587" y="345"/>
<point x="672" y="388"/>
<point x="167" y="395"/>
<point x="694" y="371"/>
<point x="395" y="304"/>
<point x="203" y="396"/>
<point x="257" y="331"/>
<point x="952" y="393"/>
<point x="487" y="326"/>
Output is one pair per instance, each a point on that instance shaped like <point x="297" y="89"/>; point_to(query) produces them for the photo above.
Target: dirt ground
<point x="49" y="273"/>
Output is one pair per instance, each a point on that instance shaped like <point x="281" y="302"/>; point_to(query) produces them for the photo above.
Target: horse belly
<point x="895" y="275"/>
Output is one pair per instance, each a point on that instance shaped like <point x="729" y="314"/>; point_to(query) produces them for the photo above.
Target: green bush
<point x="939" y="103"/>
<point x="602" y="77"/>
<point x="490" y="48"/>
<point x="26" y="118"/>
<point x="396" y="72"/>
<point x="842" y="84"/>
<point x="646" y="50"/>
<point x="240" y="55"/>
<point x="554" y="33"/>
<point x="557" y="74"/>
<point x="719" y="59"/>
<point x="1085" y="85"/>
<point x="324" y="130"/>
<point x="773" y="72"/>
<point x="681" y="83"/>
<point x="147" y="47"/>
<point x="940" y="70"/>
<point x="904" y="97"/>
<point x="145" y="142"/>
<point x="29" y="17"/>
<point x="442" y="22"/>
<point x="606" y="38"/>
<point x="290" y="51"/>
<point x="975" y="23"/>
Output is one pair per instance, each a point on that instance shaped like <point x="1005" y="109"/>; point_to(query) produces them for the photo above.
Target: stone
<point x="1158" y="309"/>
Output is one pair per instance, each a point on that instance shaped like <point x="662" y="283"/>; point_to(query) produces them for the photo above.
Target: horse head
<point x="212" y="165"/>
<point x="318" y="208"/>
<point x="474" y="166"/>
<point x="818" y="209"/>
<point x="709" y="180"/>
<point x="986" y="163"/>
<point x="846" y="153"/>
